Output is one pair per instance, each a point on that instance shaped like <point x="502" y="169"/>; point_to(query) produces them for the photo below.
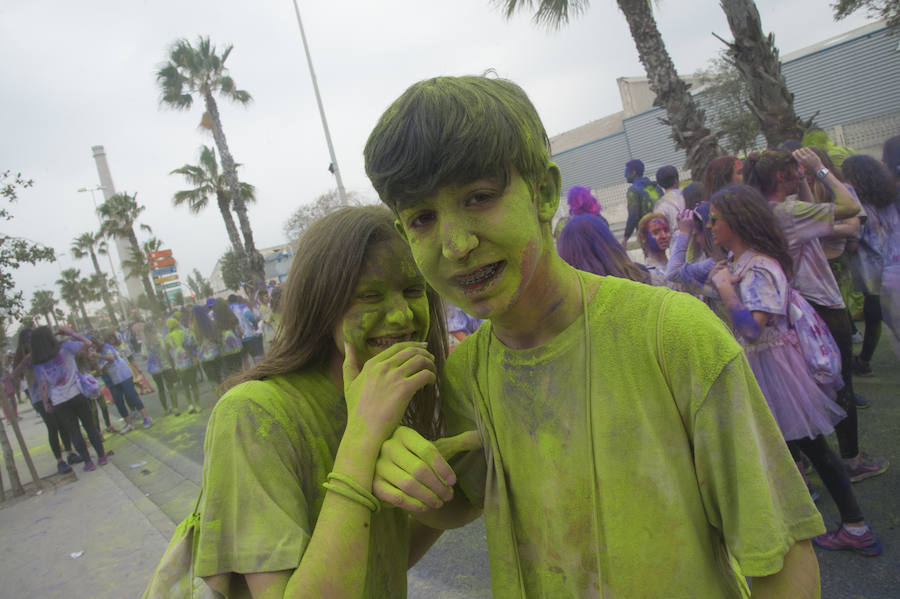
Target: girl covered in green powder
<point x="181" y="345"/>
<point x="286" y="505"/>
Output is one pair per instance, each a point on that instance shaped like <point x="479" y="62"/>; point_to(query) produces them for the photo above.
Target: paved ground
<point x="122" y="516"/>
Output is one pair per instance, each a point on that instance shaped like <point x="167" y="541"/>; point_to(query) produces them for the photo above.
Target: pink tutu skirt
<point x="801" y="406"/>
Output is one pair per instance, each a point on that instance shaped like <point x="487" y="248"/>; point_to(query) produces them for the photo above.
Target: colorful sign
<point x="165" y="279"/>
<point x="167" y="270"/>
<point x="161" y="262"/>
<point x="159" y="254"/>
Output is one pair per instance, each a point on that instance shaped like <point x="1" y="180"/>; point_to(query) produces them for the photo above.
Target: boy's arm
<point x="798" y="577"/>
<point x="633" y="200"/>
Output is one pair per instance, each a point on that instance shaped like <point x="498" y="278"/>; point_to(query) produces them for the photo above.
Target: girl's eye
<point x="368" y="296"/>
<point x="414" y="291"/>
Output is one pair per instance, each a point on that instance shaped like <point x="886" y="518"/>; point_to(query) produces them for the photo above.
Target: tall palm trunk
<point x="103" y="292"/>
<point x="255" y="260"/>
<point x="233" y="235"/>
<point x="684" y="116"/>
<point x="756" y="59"/>
<point x="84" y="315"/>
<point x="145" y="281"/>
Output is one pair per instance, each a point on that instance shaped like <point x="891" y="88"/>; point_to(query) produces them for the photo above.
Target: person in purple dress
<point x="753" y="286"/>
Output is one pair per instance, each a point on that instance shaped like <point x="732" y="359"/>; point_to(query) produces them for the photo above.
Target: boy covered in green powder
<point x="627" y="449"/>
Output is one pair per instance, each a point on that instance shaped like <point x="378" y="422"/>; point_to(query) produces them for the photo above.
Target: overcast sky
<point x="78" y="74"/>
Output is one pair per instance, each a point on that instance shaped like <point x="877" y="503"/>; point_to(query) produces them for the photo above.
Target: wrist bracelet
<point x="368" y="498"/>
<point x="349" y="494"/>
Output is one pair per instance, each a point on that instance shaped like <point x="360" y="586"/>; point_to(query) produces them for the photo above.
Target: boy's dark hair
<point x="667" y="177"/>
<point x="453" y="130"/>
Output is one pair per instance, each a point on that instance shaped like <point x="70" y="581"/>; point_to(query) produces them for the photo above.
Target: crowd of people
<point x="70" y="377"/>
<point x="761" y="240"/>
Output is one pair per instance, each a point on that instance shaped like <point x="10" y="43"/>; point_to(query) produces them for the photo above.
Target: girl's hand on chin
<point x="377" y="394"/>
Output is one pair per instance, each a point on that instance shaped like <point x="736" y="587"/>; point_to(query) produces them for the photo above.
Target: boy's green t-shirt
<point x="269" y="447"/>
<point x="633" y="491"/>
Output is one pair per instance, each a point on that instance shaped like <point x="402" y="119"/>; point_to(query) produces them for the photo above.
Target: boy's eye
<point x="480" y="197"/>
<point x="368" y="296"/>
<point x="421" y="219"/>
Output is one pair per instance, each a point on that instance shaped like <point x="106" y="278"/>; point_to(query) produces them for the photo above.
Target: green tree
<point x="727" y="93"/>
<point x="44" y="304"/>
<point x="198" y="285"/>
<point x="231" y="270"/>
<point x="15" y="251"/>
<point x="755" y="56"/>
<point x="683" y="115"/>
<point x="91" y="244"/>
<point x="119" y="214"/>
<point x="201" y="71"/>
<point x="71" y="289"/>
<point x="889" y="10"/>
<point x="306" y="214"/>
<point x="208" y="182"/>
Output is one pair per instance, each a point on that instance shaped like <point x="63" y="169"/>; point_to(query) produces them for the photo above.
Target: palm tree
<point x="71" y="289"/>
<point x="756" y="59"/>
<point x="91" y="244"/>
<point x="43" y="303"/>
<point x="202" y="71"/>
<point x="685" y="118"/>
<point x="207" y="182"/>
<point x="119" y="214"/>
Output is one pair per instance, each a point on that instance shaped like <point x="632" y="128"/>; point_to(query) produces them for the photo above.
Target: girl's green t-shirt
<point x="269" y="447"/>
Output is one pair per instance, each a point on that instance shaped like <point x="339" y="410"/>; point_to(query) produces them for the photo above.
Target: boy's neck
<point x="551" y="302"/>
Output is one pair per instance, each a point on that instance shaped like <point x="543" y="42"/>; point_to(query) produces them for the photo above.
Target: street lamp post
<point x="112" y="266"/>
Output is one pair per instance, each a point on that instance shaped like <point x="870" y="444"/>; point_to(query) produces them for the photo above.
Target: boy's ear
<point x="400" y="229"/>
<point x="548" y="193"/>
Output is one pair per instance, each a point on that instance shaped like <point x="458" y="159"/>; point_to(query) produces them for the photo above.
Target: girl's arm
<point x="692" y="276"/>
<point x="66" y="332"/>
<point x="844" y="206"/>
<point x="333" y="564"/>
<point x="848" y="228"/>
<point x="748" y="324"/>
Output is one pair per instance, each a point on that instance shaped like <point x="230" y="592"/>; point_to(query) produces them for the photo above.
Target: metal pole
<point x="312" y="74"/>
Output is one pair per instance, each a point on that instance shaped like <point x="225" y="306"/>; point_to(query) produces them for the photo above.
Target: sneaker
<point x="74" y="458"/>
<point x="191" y="410"/>
<point x="861" y="367"/>
<point x="868" y="544"/>
<point x="147" y="422"/>
<point x="102" y="461"/>
<point x="62" y="467"/>
<point x="89" y="466"/>
<point x="857" y="338"/>
<point x="127" y="428"/>
<point x="177" y="412"/>
<point x="860" y="402"/>
<point x="862" y="467"/>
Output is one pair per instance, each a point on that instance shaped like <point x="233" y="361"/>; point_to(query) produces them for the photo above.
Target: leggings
<point x="872" y="318"/>
<point x="188" y="379"/>
<point x="125" y="392"/>
<point x="70" y="413"/>
<point x="846" y="431"/>
<point x="213" y="370"/>
<point x="55" y="431"/>
<point x="163" y="379"/>
<point x="832" y="472"/>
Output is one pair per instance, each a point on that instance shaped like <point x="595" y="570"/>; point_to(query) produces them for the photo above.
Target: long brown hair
<point x="329" y="260"/>
<point x="750" y="218"/>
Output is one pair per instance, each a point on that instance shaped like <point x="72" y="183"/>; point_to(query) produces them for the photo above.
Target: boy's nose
<point x="457" y="241"/>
